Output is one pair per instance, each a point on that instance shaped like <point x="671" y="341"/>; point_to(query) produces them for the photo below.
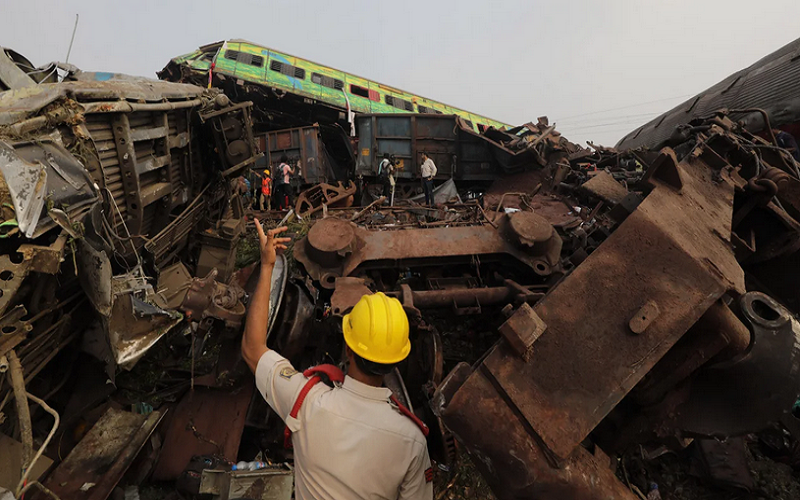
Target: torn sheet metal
<point x="136" y="322"/>
<point x="95" y="466"/>
<point x="68" y="189"/>
<point x="27" y="185"/>
<point x="133" y="317"/>
<point x="11" y="74"/>
<point x="445" y="192"/>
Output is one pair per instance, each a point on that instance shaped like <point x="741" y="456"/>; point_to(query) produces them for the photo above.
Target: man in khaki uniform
<point x="352" y="441"/>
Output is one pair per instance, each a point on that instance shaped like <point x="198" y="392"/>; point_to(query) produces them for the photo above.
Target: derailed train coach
<point x="105" y="180"/>
<point x="762" y="96"/>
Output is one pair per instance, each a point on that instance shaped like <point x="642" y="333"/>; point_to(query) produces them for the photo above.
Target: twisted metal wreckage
<point x="636" y="295"/>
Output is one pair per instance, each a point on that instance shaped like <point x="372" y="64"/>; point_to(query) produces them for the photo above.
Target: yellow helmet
<point x="266" y="172"/>
<point x="377" y="329"/>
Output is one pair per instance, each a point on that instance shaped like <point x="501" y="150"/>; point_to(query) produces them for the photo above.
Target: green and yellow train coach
<point x="316" y="84"/>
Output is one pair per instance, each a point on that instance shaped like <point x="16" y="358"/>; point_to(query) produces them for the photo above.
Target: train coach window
<point x="399" y="103"/>
<point x="327" y="81"/>
<point x="372" y="95"/>
<point x="356" y="90"/>
<point x="426" y="110"/>
<point x="287" y="69"/>
<point x="481" y="128"/>
<point x="244" y="58"/>
<point x="469" y="123"/>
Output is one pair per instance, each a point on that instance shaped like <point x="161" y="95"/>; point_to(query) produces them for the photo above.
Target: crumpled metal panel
<point x="135" y="325"/>
<point x="608" y="323"/>
<point x="21" y="103"/>
<point x="672" y="252"/>
<point x="27" y="184"/>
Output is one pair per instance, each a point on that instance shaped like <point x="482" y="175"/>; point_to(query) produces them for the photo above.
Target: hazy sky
<point x="598" y="69"/>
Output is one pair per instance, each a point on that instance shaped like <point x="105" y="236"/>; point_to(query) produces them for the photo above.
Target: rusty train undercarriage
<point x="587" y="303"/>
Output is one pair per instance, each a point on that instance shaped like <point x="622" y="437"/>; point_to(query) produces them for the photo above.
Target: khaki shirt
<point x="428" y="169"/>
<point x="349" y="442"/>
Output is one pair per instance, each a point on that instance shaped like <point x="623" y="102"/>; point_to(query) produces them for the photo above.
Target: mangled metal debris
<point x="566" y="305"/>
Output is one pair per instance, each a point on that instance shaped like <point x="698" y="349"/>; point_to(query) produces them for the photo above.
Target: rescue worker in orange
<point x="353" y="441"/>
<point x="266" y="192"/>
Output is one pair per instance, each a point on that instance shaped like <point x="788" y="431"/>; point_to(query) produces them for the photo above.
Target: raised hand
<point x="269" y="244"/>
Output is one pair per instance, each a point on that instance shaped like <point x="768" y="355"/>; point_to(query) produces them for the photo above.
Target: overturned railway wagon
<point x="765" y="93"/>
<point x="458" y="151"/>
<point x="296" y="90"/>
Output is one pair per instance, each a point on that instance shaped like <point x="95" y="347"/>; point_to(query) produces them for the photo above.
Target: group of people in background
<point x="387" y="169"/>
<point x="268" y="189"/>
<point x="265" y="190"/>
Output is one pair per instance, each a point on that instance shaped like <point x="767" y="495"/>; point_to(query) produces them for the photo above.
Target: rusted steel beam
<point x="510" y="457"/>
<point x="335" y="248"/>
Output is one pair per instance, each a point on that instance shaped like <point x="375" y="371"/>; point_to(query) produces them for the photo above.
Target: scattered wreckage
<point x="566" y="304"/>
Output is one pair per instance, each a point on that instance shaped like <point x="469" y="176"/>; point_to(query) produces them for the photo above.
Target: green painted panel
<point x="307" y="88"/>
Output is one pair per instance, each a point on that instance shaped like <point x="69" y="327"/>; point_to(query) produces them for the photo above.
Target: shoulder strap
<point x="333" y="373"/>
<point x="336" y="376"/>
<point x="405" y="411"/>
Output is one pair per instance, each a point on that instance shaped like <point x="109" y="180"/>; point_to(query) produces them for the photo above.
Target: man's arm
<point x="254" y="340"/>
<point x="418" y="481"/>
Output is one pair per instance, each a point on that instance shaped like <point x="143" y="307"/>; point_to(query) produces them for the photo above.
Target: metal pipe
<point x="56" y="422"/>
<point x="769" y="129"/>
<point x="23" y="411"/>
<point x="41" y="487"/>
<point x="430" y="299"/>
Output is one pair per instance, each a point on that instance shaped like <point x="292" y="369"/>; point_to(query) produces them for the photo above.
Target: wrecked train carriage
<point x="472" y="160"/>
<point x="105" y="175"/>
<point x="307" y="150"/>
<point x="622" y="324"/>
<point x="289" y="91"/>
<point x="762" y="95"/>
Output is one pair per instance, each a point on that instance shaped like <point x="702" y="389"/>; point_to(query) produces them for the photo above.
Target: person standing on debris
<point x="353" y="440"/>
<point x="428" y="172"/>
<point x="284" y="186"/>
<point x="386" y="171"/>
<point x="244" y="190"/>
<point x="266" y="192"/>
